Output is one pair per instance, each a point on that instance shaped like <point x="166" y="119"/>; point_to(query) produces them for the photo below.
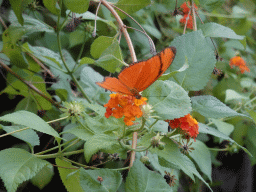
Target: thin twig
<point x="187" y="18"/>
<point x="123" y="30"/>
<point x="3" y="23"/>
<point x="41" y="64"/>
<point x="134" y="59"/>
<point x="194" y="16"/>
<point x="30" y="85"/>
<point x="151" y="43"/>
<point x="152" y="49"/>
<point x="95" y="21"/>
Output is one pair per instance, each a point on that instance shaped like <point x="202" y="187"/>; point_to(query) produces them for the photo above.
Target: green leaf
<point x="111" y="180"/>
<point x="210" y="106"/>
<point x="109" y="63"/>
<point x="210" y="5"/>
<point x="28" y="135"/>
<point x="18" y="7"/>
<point x="10" y="47"/>
<point x="187" y="166"/>
<point x="23" y="89"/>
<point x="52" y="6"/>
<point x="217" y="30"/>
<point x="69" y="177"/>
<point x="98" y="142"/>
<point x="43" y="177"/>
<point x="202" y="157"/>
<point x="86" y="60"/>
<point x="90" y="16"/>
<point x="152" y="30"/>
<point x="233" y="95"/>
<point x="80" y="132"/>
<point x="49" y="57"/>
<point x="234" y="44"/>
<point x="17" y="166"/>
<point x="169" y="100"/>
<point x="77" y="37"/>
<point x="169" y="75"/>
<point x="89" y="77"/>
<point x="223" y="127"/>
<point x="111" y="59"/>
<point x="209" y="130"/>
<point x="77" y="6"/>
<point x="32" y="25"/>
<point x="30" y="120"/>
<point x="131" y="6"/>
<point x="252" y="113"/>
<point x="170" y="153"/>
<point x="140" y="179"/>
<point x="193" y="48"/>
<point x="28" y="104"/>
<point x="100" y="45"/>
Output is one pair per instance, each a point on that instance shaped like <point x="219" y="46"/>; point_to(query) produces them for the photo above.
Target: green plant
<point x="94" y="147"/>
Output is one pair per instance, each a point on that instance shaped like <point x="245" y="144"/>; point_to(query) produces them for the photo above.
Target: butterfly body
<point x="140" y="75"/>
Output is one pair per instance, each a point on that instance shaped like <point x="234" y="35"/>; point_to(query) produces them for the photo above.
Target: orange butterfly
<point x="140" y="75"/>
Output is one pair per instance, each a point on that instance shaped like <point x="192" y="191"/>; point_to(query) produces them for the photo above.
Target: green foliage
<point x="52" y="6"/>
<point x="217" y="30"/>
<point x="69" y="177"/>
<point x="55" y="71"/>
<point x="17" y="166"/>
<point x="141" y="179"/>
<point x="131" y="6"/>
<point x="111" y="180"/>
<point x="30" y="120"/>
<point x="168" y="99"/>
<point x="18" y="7"/>
<point x="202" y="156"/>
<point x="77" y="6"/>
<point x="214" y="109"/>
<point x="28" y="135"/>
<point x="195" y="47"/>
<point x="43" y="177"/>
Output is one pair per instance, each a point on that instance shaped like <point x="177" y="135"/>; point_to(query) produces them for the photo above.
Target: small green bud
<point x="145" y="160"/>
<point x="161" y="145"/>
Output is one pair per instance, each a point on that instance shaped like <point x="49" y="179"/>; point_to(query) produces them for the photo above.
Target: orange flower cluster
<point x="239" y="62"/>
<point x="124" y="105"/>
<point x="185" y="10"/>
<point x="187" y="123"/>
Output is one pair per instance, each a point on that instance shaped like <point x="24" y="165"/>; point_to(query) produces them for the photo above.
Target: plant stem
<point x="14" y="132"/>
<point x="134" y="59"/>
<point x="65" y="64"/>
<point x="54" y="155"/>
<point x="42" y="152"/>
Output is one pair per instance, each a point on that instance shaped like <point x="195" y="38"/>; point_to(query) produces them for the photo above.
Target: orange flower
<point x="185" y="10"/>
<point x="239" y="62"/>
<point x="187" y="123"/>
<point x="124" y="105"/>
<point x="190" y="21"/>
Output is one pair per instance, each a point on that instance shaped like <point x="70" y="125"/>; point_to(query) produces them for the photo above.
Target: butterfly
<point x="140" y="75"/>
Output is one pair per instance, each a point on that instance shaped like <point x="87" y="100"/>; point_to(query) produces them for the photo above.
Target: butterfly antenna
<point x="95" y="21"/>
<point x="152" y="45"/>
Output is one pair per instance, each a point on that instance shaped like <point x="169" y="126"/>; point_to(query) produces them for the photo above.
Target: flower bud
<point x="145" y="160"/>
<point x="161" y="145"/>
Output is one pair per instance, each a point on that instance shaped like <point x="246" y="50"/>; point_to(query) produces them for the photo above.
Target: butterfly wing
<point x="113" y="84"/>
<point x="142" y="74"/>
<point x="138" y="76"/>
